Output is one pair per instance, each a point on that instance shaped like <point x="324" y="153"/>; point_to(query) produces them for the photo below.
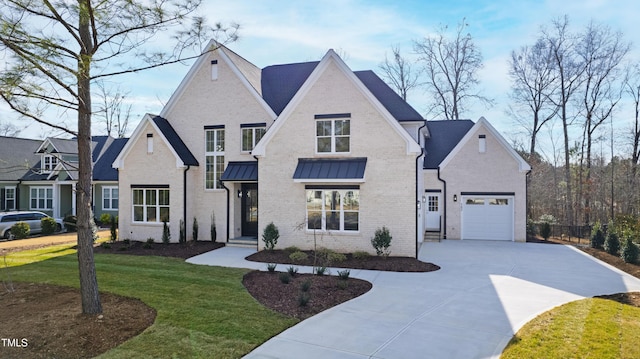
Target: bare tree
<point x="8" y="129"/>
<point x="56" y="50"/>
<point x="601" y="51"/>
<point x="533" y="76"/>
<point x="113" y="110"/>
<point x="450" y="67"/>
<point x="569" y="72"/>
<point x="399" y="73"/>
<point x="632" y="89"/>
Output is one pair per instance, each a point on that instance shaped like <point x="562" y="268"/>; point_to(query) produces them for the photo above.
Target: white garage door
<point x="487" y="217"/>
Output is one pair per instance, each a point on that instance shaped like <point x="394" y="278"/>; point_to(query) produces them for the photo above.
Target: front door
<point x="432" y="215"/>
<point x="249" y="209"/>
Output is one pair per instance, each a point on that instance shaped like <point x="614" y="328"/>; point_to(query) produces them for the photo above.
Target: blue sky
<point x="276" y="32"/>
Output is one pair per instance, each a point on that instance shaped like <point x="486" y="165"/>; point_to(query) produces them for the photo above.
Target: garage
<point x="487" y="216"/>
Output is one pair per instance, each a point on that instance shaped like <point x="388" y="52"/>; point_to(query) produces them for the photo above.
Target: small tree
<point x="612" y="243"/>
<point x="270" y="236"/>
<point x="195" y="229"/>
<point x="545" y="230"/>
<point x="381" y="241"/>
<point x="214" y="233"/>
<point x="166" y="232"/>
<point x="629" y="251"/>
<point x="183" y="232"/>
<point x="597" y="239"/>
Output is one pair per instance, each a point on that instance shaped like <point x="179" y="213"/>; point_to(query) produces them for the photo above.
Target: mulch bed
<point x="324" y="292"/>
<point x="176" y="250"/>
<point x="392" y="264"/>
<point x="45" y="321"/>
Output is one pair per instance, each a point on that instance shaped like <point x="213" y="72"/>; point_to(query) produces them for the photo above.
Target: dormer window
<point x="49" y="163"/>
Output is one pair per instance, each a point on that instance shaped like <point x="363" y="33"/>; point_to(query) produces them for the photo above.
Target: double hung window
<point x="214" y="157"/>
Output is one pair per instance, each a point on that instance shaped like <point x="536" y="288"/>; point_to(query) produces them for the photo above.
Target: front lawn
<point x="202" y="312"/>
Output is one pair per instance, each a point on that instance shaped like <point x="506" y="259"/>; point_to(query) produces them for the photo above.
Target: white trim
<point x="324" y="180"/>
<point x="471" y="134"/>
<point x="110" y="188"/>
<point x="260" y="150"/>
<point x="512" y="205"/>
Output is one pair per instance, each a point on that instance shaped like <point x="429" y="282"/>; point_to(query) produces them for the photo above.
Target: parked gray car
<point x="33" y="218"/>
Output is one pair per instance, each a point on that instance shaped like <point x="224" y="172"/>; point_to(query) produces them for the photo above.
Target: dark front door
<point x="249" y="209"/>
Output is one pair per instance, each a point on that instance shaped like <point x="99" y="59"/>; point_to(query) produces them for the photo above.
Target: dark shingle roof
<point x="103" y="170"/>
<point x="281" y="82"/>
<point x="17" y="155"/>
<point x="175" y="141"/>
<point x="398" y="107"/>
<point x="330" y="168"/>
<point x="444" y="136"/>
<point x="241" y="171"/>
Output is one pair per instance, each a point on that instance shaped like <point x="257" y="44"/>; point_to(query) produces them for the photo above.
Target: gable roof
<point x="182" y="154"/>
<point x="318" y="70"/>
<point x="444" y="136"/>
<point x="281" y="82"/>
<point x="398" y="107"/>
<point x="482" y="122"/>
<point x="103" y="171"/>
<point x="17" y="156"/>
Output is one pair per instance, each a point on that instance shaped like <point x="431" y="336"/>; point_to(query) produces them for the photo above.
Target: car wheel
<point x="58" y="228"/>
<point x="7" y="234"/>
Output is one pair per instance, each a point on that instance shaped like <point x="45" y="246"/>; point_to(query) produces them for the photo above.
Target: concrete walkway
<point x="470" y="308"/>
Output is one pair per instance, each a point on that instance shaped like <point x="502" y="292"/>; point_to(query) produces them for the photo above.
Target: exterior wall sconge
<point x="239" y="193"/>
<point x="424" y="199"/>
<point x="455" y="198"/>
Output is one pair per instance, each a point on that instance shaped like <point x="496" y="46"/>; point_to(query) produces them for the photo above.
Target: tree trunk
<point x="88" y="282"/>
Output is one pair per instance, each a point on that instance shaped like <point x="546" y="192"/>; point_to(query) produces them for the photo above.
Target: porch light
<point x="455" y="198"/>
<point x="424" y="199"/>
<point x="239" y="193"/>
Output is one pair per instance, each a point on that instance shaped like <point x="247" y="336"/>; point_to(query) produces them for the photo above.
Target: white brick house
<point x="313" y="147"/>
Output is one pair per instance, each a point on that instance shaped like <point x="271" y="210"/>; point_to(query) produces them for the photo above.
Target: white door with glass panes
<point x="432" y="212"/>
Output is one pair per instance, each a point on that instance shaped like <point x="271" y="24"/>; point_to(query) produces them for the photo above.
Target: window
<point x="475" y="201"/>
<point x="333" y="135"/>
<point x="9" y="198"/>
<point x="150" y="205"/>
<point x="149" y="143"/>
<point x="214" y="157"/>
<point x="333" y="210"/>
<point x="41" y="198"/>
<point x="432" y="203"/>
<point x="251" y="136"/>
<point x="49" y="162"/>
<point x="110" y="198"/>
<point x="499" y="202"/>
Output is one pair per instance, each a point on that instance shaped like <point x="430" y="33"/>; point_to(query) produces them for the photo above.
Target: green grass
<point x="588" y="328"/>
<point x="203" y="312"/>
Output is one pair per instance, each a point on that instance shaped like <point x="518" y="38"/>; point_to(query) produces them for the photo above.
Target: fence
<point x="571" y="233"/>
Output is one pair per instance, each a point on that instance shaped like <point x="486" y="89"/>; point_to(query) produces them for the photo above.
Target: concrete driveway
<point x="470" y="308"/>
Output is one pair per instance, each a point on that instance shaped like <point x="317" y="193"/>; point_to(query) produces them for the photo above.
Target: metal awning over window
<point x="246" y="171"/>
<point x="330" y="170"/>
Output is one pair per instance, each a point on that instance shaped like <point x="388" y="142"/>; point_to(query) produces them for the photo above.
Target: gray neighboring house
<point x="41" y="174"/>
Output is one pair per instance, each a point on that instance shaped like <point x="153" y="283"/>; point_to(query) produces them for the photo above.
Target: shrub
<point x="329" y="256"/>
<point x="381" y="241"/>
<point x="630" y="252"/>
<point x="195" y="229"/>
<point x="284" y="277"/>
<point x="612" y="243"/>
<point x="182" y="235"/>
<point x="597" y="239"/>
<point x="292" y="249"/>
<point x="531" y="227"/>
<point x="212" y="229"/>
<point x="114" y="229"/>
<point x="70" y="223"/>
<point x="303" y="299"/>
<point x="149" y="243"/>
<point x="105" y="245"/>
<point x="342" y="284"/>
<point x="360" y="255"/>
<point x="321" y="270"/>
<point x="271" y="267"/>
<point x="270" y="236"/>
<point x="48" y="225"/>
<point x="545" y="230"/>
<point x="298" y="256"/>
<point x="344" y="274"/>
<point x="105" y="218"/>
<point x="305" y="286"/>
<point x="292" y="270"/>
<point x="166" y="232"/>
<point x="20" y="230"/>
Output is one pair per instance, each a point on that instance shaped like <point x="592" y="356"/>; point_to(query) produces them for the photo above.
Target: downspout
<point x="228" y="208"/>
<point x="258" y="184"/>
<point x="418" y="172"/>
<point x="444" y="204"/>
<point x="184" y="199"/>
